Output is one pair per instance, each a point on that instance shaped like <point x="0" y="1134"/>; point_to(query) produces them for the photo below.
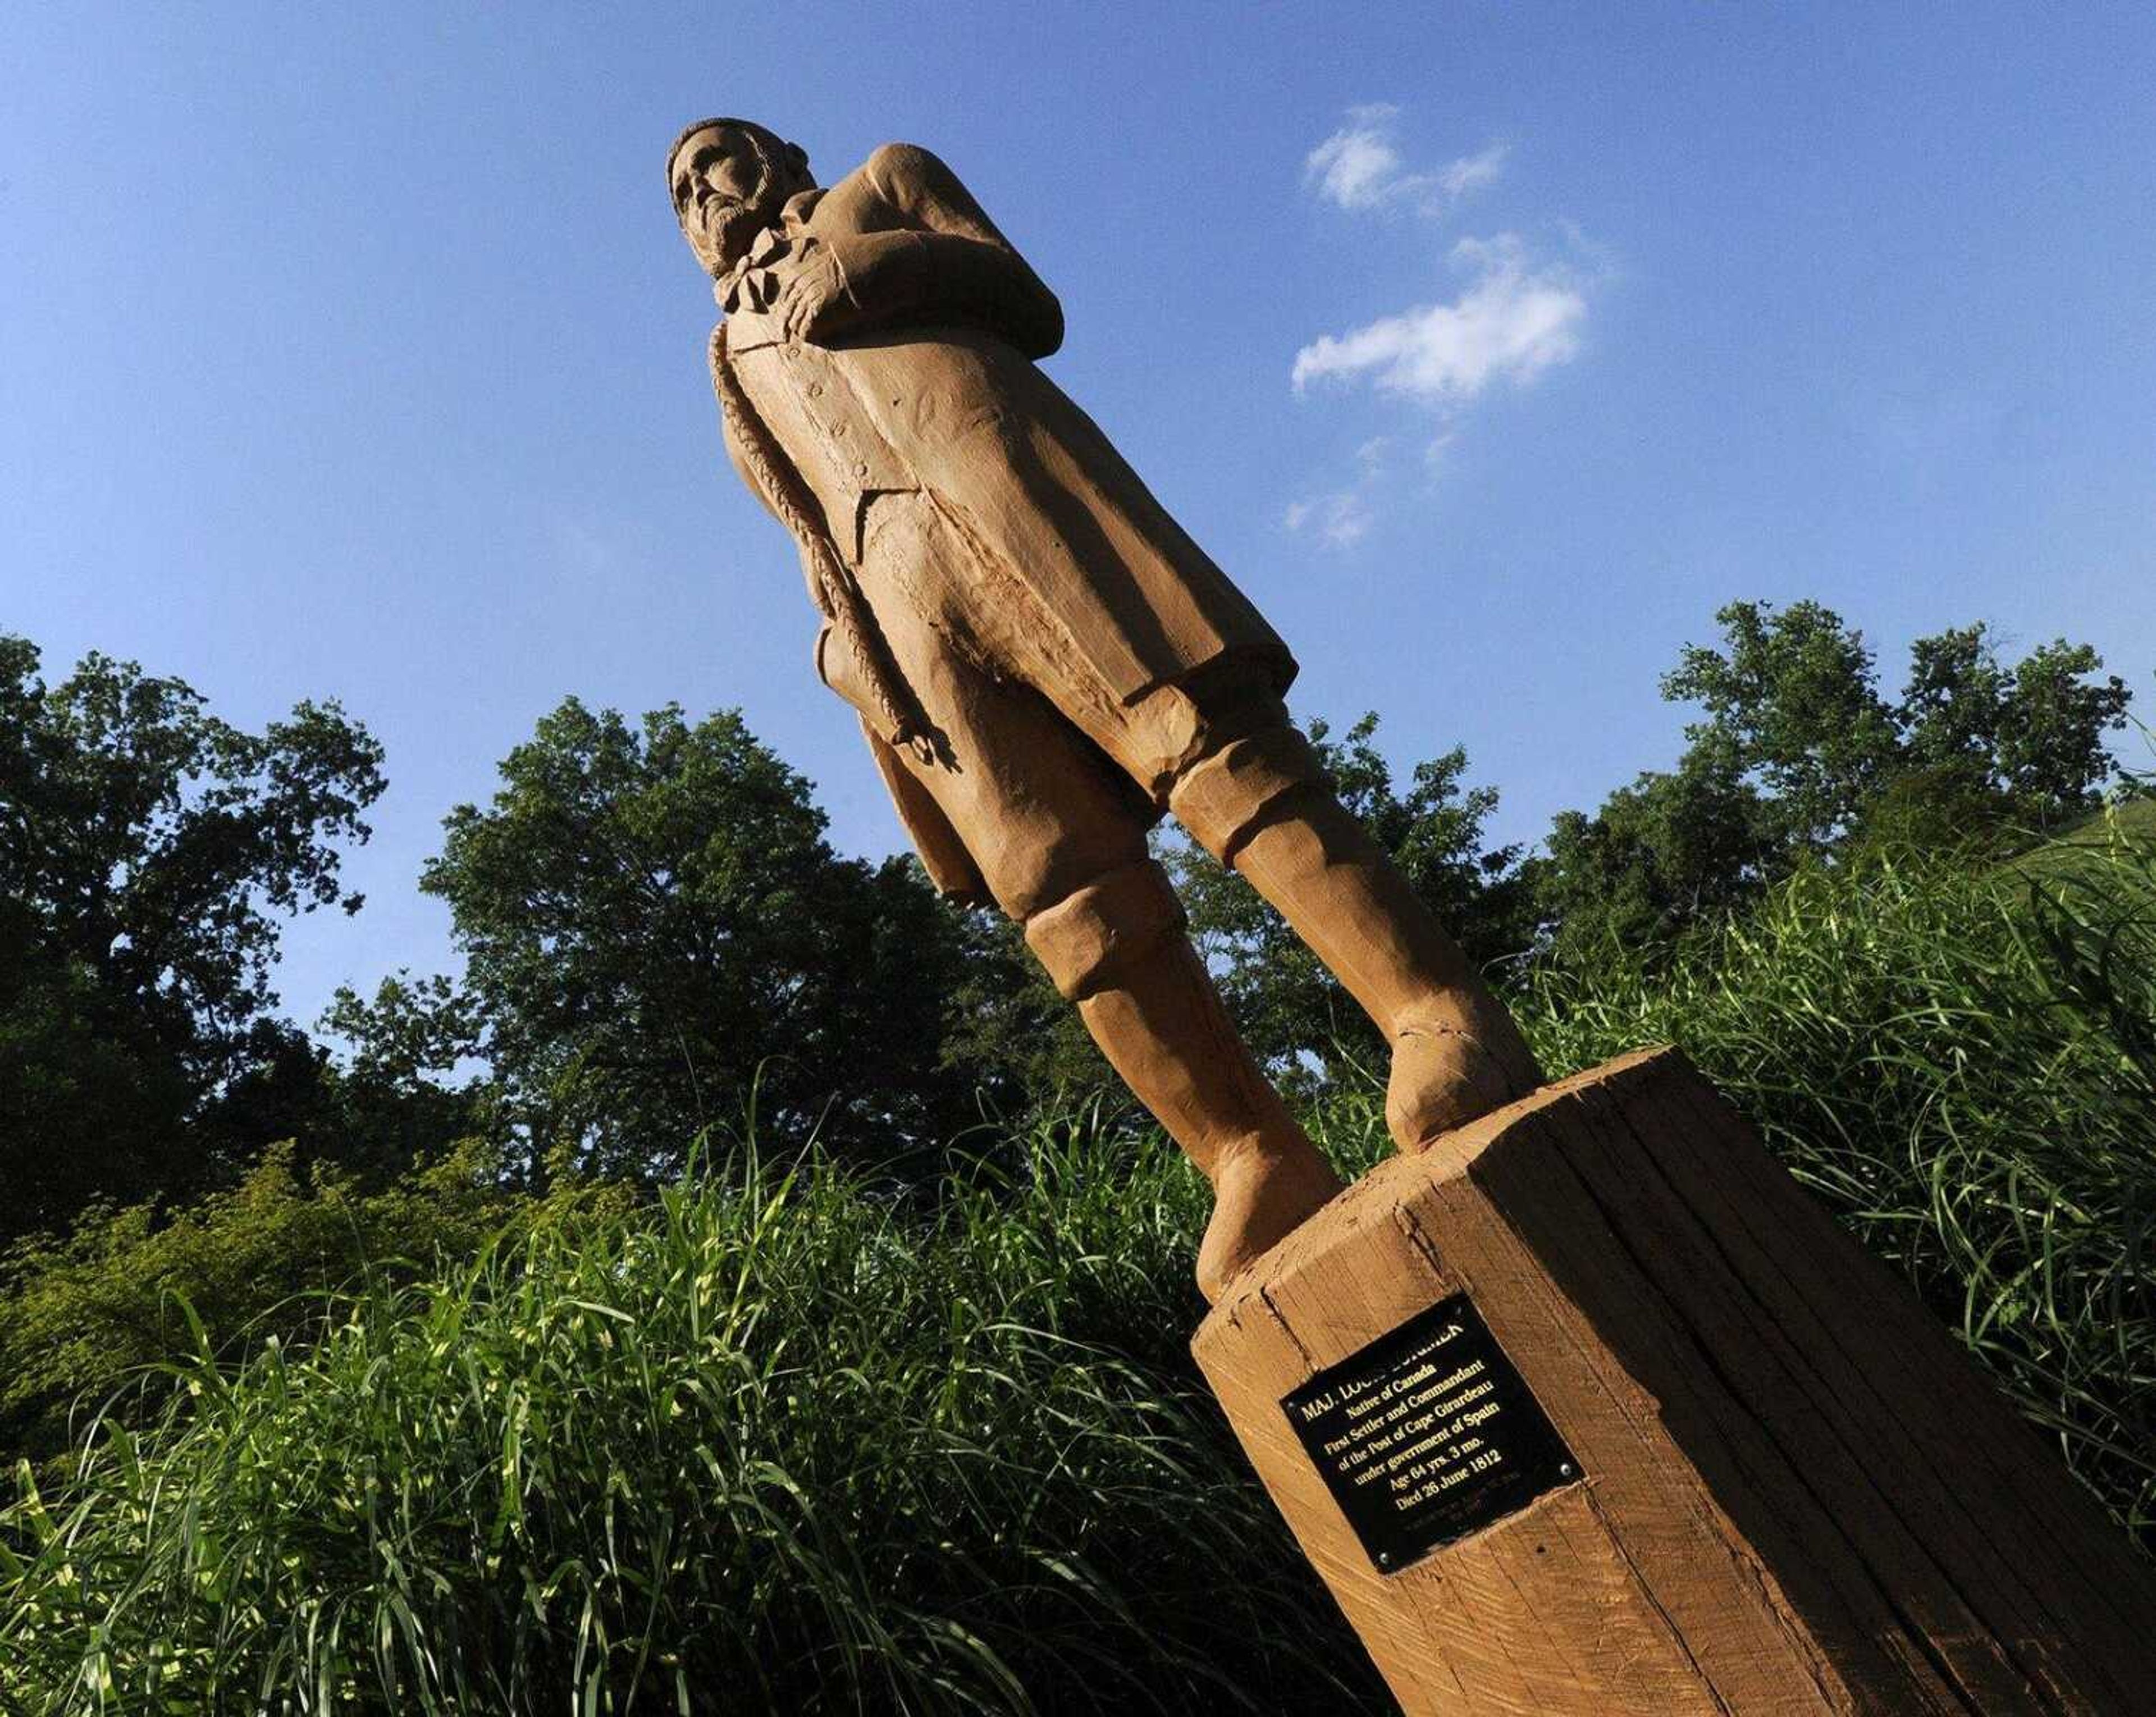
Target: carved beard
<point x="726" y="226"/>
<point x="729" y="225"/>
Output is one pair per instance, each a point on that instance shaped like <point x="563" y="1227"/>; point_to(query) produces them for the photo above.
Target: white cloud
<point x="1341" y="518"/>
<point x="1513" y="322"/>
<point x="1355" y="165"/>
<point x="1516" y="312"/>
<point x="1470" y="173"/>
<point x="1360" y="167"/>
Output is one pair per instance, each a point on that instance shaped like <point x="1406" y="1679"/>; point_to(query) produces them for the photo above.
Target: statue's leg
<point x="1117" y="948"/>
<point x="1259" y="802"/>
<point x="1057" y="836"/>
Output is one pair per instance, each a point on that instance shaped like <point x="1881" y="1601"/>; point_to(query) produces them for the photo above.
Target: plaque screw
<point x="1564" y="1469"/>
<point x="1384" y="1559"/>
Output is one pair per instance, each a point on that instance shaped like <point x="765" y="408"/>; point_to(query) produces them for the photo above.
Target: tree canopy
<point x="658" y="935"/>
<point x="1799" y="755"/>
<point x="149" y="853"/>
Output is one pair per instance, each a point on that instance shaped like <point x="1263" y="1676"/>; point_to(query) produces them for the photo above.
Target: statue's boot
<point x="1261" y="805"/>
<point x="1117" y="947"/>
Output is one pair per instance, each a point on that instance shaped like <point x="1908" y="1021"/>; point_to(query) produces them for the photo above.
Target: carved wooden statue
<point x="1584" y="1407"/>
<point x="1044" y="663"/>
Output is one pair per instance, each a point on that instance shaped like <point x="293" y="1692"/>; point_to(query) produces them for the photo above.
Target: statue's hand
<point x="818" y="286"/>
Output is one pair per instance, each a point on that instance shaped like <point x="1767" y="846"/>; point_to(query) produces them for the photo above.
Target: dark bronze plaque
<point x="1427" y="1434"/>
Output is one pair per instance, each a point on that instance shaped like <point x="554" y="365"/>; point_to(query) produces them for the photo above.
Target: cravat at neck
<point x="749" y="285"/>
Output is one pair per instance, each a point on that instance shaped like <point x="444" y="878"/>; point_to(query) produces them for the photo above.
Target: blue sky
<point x="352" y="352"/>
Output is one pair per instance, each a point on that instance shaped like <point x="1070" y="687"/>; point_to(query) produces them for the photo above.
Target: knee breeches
<point x="1040" y="799"/>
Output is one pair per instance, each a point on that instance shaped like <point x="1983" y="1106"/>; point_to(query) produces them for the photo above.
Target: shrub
<point x="83" y="1316"/>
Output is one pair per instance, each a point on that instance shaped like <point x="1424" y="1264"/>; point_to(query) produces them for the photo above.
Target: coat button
<point x="815" y="390"/>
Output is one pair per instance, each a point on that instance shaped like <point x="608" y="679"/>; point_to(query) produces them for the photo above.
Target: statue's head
<point x="728" y="178"/>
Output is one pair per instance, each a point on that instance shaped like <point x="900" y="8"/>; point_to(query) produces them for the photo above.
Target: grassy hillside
<point x="2132" y="824"/>
<point x="774" y="1443"/>
<point x="781" y="1442"/>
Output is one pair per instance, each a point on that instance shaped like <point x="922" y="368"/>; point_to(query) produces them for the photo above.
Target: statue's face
<point x="726" y="184"/>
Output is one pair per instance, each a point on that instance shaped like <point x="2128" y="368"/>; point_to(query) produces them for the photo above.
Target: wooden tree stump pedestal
<point x="1590" y="1409"/>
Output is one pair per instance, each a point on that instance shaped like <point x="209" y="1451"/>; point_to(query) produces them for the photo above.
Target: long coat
<point x="937" y="390"/>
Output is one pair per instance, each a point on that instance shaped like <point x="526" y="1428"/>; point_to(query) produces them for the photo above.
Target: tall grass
<point x="778" y="1441"/>
<point x="766" y="1446"/>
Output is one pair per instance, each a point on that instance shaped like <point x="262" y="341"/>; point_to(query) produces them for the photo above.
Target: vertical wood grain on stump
<point x="1799" y="1496"/>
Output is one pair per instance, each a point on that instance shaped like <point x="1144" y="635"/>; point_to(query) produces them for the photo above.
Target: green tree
<point x="2025" y="744"/>
<point x="1660" y="854"/>
<point x="1793" y="707"/>
<point x="1291" y="1010"/>
<point x="1800" y="755"/>
<point x="658" y="933"/>
<point x="407" y="1088"/>
<point x="149" y="852"/>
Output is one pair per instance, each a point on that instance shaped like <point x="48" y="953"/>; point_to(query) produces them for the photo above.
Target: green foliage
<point x="413" y="1028"/>
<point x="1793" y="705"/>
<point x="1800" y="759"/>
<point x="768" y="1445"/>
<point x="655" y="926"/>
<point x="1664" y="853"/>
<point x="147" y="851"/>
<point x="1287" y="1005"/>
<point x="395" y="1095"/>
<point x="2027" y="741"/>
<point x="349" y="1436"/>
<point x="83" y="1317"/>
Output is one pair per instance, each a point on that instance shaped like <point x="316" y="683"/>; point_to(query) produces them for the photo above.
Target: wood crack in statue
<point x="1044" y="663"/>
